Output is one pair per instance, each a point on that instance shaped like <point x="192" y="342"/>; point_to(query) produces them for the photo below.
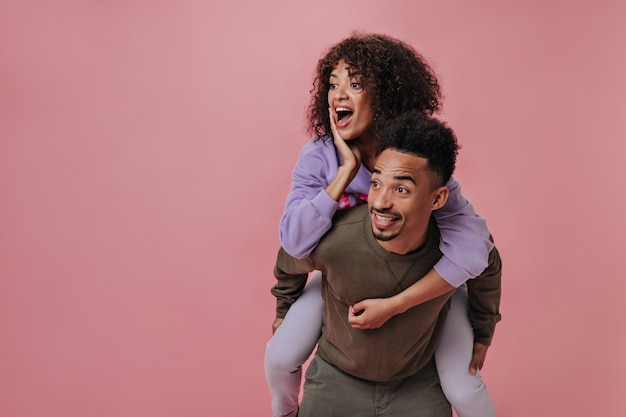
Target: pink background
<point x="145" y="154"/>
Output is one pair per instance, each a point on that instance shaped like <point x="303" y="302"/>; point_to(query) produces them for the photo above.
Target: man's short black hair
<point x="425" y="136"/>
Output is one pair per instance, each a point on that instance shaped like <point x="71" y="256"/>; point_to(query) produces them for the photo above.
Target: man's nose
<point x="380" y="200"/>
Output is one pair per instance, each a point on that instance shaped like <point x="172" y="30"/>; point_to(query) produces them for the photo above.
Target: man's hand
<point x="478" y="358"/>
<point x="371" y="313"/>
<point x="275" y="325"/>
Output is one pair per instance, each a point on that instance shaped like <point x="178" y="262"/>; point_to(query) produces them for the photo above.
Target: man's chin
<point x="384" y="237"/>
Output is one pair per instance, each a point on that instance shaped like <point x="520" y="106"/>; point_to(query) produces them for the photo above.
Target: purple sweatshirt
<point x="309" y="211"/>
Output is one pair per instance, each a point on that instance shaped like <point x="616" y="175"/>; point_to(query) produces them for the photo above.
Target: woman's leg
<point x="467" y="393"/>
<point x="291" y="345"/>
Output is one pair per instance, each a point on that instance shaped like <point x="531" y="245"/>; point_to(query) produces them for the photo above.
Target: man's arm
<point x="484" y="307"/>
<point x="484" y="299"/>
<point x="291" y="275"/>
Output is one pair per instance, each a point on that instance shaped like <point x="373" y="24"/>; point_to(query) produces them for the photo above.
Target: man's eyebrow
<point x="397" y="177"/>
<point x="404" y="178"/>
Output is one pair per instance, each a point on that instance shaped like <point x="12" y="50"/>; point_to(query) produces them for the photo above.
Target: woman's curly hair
<point x="398" y="77"/>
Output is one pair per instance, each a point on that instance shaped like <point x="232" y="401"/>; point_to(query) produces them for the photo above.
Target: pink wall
<point x="145" y="153"/>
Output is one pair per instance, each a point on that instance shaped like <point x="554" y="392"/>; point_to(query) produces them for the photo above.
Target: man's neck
<point x="401" y="246"/>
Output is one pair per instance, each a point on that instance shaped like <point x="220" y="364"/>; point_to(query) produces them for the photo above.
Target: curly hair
<point x="425" y="136"/>
<point x="398" y="77"/>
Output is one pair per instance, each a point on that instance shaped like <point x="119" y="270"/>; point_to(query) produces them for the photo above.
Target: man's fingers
<point x="276" y="324"/>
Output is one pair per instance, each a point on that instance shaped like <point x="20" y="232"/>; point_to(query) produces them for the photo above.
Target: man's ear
<point x="440" y="197"/>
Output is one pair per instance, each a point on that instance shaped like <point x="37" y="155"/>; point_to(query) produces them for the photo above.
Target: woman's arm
<point x="374" y="312"/>
<point x="465" y="240"/>
<point x="319" y="181"/>
<point x="309" y="209"/>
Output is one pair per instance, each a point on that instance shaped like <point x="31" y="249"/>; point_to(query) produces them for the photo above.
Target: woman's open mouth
<point x="344" y="115"/>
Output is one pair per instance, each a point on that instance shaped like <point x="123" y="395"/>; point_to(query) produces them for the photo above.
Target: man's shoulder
<point x="346" y="232"/>
<point x="350" y="216"/>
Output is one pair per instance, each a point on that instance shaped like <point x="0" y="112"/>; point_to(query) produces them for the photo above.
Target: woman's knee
<point x="280" y="359"/>
<point x="462" y="389"/>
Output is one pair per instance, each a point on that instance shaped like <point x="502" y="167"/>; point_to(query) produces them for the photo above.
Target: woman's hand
<point x="349" y="152"/>
<point x="371" y="313"/>
<point x="351" y="163"/>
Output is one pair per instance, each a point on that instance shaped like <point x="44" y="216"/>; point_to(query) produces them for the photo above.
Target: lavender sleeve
<point x="309" y="209"/>
<point x="465" y="240"/>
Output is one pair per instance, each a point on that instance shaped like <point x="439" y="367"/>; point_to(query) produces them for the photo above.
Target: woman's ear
<point x="440" y="197"/>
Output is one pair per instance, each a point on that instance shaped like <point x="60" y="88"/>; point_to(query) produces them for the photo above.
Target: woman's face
<point x="350" y="104"/>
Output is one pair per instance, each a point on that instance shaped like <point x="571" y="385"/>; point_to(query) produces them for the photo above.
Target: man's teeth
<point x="383" y="219"/>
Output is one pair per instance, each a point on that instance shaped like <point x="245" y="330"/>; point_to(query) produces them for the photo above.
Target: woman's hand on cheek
<point x="349" y="152"/>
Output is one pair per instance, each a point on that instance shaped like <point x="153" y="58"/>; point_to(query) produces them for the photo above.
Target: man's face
<point x="401" y="200"/>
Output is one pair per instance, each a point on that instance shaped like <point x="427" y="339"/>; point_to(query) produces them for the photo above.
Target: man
<point x="376" y="252"/>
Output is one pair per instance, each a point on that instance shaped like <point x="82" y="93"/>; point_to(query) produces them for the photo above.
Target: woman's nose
<point x="340" y="92"/>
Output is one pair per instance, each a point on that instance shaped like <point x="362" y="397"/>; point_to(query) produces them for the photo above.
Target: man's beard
<point x="379" y="235"/>
<point x="382" y="238"/>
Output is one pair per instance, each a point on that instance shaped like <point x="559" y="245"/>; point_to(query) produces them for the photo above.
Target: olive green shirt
<point x="355" y="267"/>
